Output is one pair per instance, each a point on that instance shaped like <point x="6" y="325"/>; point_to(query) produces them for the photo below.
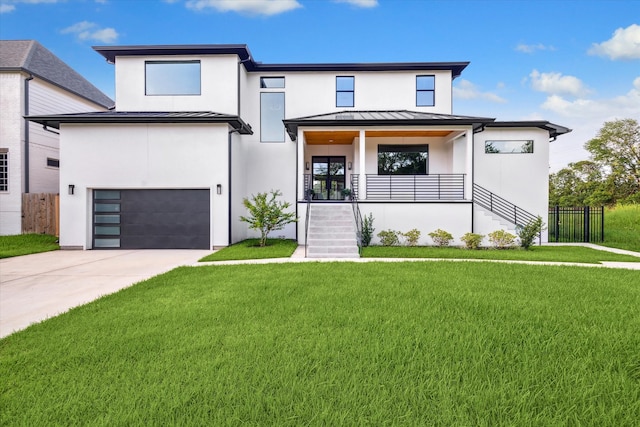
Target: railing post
<point x="602" y="223"/>
<point x="556" y="222"/>
<point x="586" y="224"/>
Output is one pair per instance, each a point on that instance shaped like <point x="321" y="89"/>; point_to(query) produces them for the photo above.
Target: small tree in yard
<point x="267" y="214"/>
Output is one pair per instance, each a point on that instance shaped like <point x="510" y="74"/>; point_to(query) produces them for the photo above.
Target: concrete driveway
<point x="36" y="287"/>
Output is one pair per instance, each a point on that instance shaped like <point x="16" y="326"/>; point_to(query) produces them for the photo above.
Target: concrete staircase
<point x="332" y="231"/>
<point x="487" y="220"/>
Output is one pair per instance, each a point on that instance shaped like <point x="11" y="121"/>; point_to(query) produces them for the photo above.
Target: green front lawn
<point x="25" y="244"/>
<point x="536" y="253"/>
<point x="622" y="227"/>
<point x="250" y="249"/>
<point x="338" y="344"/>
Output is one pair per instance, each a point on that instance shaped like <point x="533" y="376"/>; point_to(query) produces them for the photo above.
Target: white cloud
<point x="624" y="44"/>
<point x="556" y="83"/>
<point x="6" y="8"/>
<point x="531" y="48"/>
<point x="249" y="7"/>
<point x="360" y="3"/>
<point x="86" y="30"/>
<point x="467" y="90"/>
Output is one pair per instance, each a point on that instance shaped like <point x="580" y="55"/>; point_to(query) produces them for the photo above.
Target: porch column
<point x="301" y="169"/>
<point x="362" y="179"/>
<point x="468" y="181"/>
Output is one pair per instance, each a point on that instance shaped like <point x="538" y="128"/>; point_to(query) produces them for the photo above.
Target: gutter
<point x="26" y="132"/>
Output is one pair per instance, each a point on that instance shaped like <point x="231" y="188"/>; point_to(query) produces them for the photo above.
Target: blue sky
<point x="572" y="62"/>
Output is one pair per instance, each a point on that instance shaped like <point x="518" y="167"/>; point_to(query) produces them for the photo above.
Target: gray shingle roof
<point x="30" y="56"/>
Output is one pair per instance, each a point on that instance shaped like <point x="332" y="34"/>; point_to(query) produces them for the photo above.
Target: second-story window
<point x="425" y="91"/>
<point x="345" y="89"/>
<point x="271" y="82"/>
<point x="172" y="78"/>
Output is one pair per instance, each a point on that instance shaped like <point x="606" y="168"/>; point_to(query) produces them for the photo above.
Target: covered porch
<point x="394" y="156"/>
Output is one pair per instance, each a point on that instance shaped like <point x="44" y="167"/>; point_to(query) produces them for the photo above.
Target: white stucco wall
<point x="522" y="179"/>
<point x="12" y="138"/>
<point x="144" y="156"/>
<point x="219" y="88"/>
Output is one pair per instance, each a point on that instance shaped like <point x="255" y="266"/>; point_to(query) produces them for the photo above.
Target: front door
<point x="328" y="177"/>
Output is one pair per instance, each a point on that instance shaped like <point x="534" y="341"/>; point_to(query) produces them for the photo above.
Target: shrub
<point x="441" y="237"/>
<point x="389" y="237"/>
<point x="367" y="229"/>
<point x="412" y="237"/>
<point x="501" y="239"/>
<point x="266" y="214"/>
<point x="472" y="240"/>
<point x="529" y="232"/>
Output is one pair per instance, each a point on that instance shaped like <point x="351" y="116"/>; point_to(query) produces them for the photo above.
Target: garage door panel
<point x="157" y="219"/>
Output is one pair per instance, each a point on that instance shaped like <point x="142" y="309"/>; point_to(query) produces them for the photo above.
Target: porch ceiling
<point x="346" y="137"/>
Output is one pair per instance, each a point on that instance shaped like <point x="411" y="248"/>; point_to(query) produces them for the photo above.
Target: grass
<point x="335" y="344"/>
<point x="536" y="253"/>
<point x="622" y="227"/>
<point x="25" y="244"/>
<point x="250" y="249"/>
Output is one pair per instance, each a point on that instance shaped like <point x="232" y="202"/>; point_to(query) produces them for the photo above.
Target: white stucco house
<point x="34" y="81"/>
<point x="197" y="128"/>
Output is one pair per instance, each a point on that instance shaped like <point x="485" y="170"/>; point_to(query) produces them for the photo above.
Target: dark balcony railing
<point x="416" y="187"/>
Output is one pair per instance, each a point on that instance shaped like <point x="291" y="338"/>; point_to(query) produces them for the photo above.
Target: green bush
<point x="389" y="237"/>
<point x="441" y="238"/>
<point x="529" y="232"/>
<point x="502" y="239"/>
<point x="412" y="237"/>
<point x="367" y="230"/>
<point x="472" y="240"/>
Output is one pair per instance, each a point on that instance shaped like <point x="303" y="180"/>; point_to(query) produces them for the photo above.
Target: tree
<point x="267" y="214"/>
<point x="611" y="176"/>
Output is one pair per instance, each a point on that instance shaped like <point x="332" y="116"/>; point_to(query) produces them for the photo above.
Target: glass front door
<point x="328" y="178"/>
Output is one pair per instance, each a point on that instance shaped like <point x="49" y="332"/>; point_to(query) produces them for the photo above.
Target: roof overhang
<point x="389" y="119"/>
<point x="242" y="51"/>
<point x="553" y="129"/>
<point x="125" y="117"/>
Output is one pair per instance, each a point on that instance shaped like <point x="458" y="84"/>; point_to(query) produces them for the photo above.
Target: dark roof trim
<point x="553" y="129"/>
<point x="111" y="52"/>
<point x="388" y="119"/>
<point x="123" y="117"/>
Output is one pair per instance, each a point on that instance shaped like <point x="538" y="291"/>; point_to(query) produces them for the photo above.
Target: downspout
<point x="26" y="133"/>
<point x="229" y="233"/>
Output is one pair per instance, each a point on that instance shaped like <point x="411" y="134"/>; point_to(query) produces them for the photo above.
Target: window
<point x="345" y="86"/>
<point x="508" y="147"/>
<point x="172" y="78"/>
<point x="403" y="159"/>
<point x="425" y="91"/>
<point x="53" y="163"/>
<point x="4" y="169"/>
<point x="271" y="82"/>
<point x="271" y="116"/>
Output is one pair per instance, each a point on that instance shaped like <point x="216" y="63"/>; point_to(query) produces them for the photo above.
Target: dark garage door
<point x="151" y="219"/>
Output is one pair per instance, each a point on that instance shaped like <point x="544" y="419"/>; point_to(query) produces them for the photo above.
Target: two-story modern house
<point x="197" y="128"/>
<point x="34" y="81"/>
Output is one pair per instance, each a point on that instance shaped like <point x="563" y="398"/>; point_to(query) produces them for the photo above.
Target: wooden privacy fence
<point x="40" y="213"/>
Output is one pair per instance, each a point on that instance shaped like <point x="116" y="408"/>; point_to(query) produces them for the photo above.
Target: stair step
<point x="332" y="242"/>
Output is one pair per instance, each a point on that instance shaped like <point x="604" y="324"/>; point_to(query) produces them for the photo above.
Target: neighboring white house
<point x="199" y="127"/>
<point x="34" y="81"/>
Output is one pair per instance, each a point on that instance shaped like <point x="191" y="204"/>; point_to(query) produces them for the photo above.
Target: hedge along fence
<point x="41" y="213"/>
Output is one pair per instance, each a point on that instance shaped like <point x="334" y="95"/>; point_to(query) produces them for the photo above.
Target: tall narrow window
<point x="172" y="78"/>
<point x="4" y="169"/>
<point x="425" y="91"/>
<point x="271" y="116"/>
<point x="345" y="89"/>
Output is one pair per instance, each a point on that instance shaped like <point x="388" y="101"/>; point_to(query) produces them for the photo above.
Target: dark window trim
<point x="53" y="163"/>
<point x="284" y="114"/>
<point x="403" y="148"/>
<point x="418" y="91"/>
<point x="272" y="78"/>
<point x="522" y="143"/>
<point x="353" y="91"/>
<point x="4" y="186"/>
<point x="188" y="61"/>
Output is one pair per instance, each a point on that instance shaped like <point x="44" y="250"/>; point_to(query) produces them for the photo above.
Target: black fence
<point x="581" y="224"/>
